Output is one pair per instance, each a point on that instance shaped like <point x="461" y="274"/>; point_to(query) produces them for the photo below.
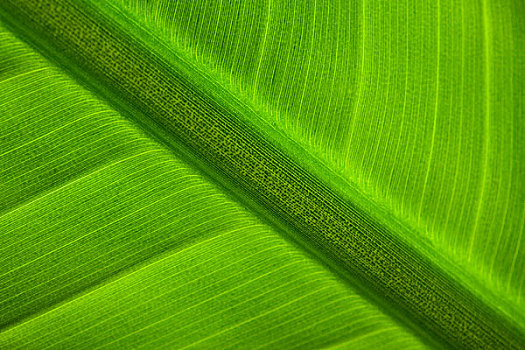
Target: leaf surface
<point x="381" y="203"/>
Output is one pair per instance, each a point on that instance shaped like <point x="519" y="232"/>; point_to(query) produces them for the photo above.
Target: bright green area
<point x="419" y="104"/>
<point x="108" y="239"/>
<point x="422" y="111"/>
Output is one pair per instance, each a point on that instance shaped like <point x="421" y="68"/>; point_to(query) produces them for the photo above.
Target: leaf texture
<point x="381" y="202"/>
<point x="126" y="229"/>
<point x="419" y="104"/>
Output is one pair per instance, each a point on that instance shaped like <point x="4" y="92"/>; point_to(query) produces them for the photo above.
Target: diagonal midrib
<point x="335" y="229"/>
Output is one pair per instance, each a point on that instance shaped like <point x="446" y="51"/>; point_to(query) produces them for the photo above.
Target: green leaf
<point x="247" y="174"/>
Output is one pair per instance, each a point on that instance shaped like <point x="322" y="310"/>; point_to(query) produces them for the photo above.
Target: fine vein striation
<point x="334" y="228"/>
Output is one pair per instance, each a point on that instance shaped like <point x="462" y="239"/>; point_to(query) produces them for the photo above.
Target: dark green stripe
<point x="336" y="228"/>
